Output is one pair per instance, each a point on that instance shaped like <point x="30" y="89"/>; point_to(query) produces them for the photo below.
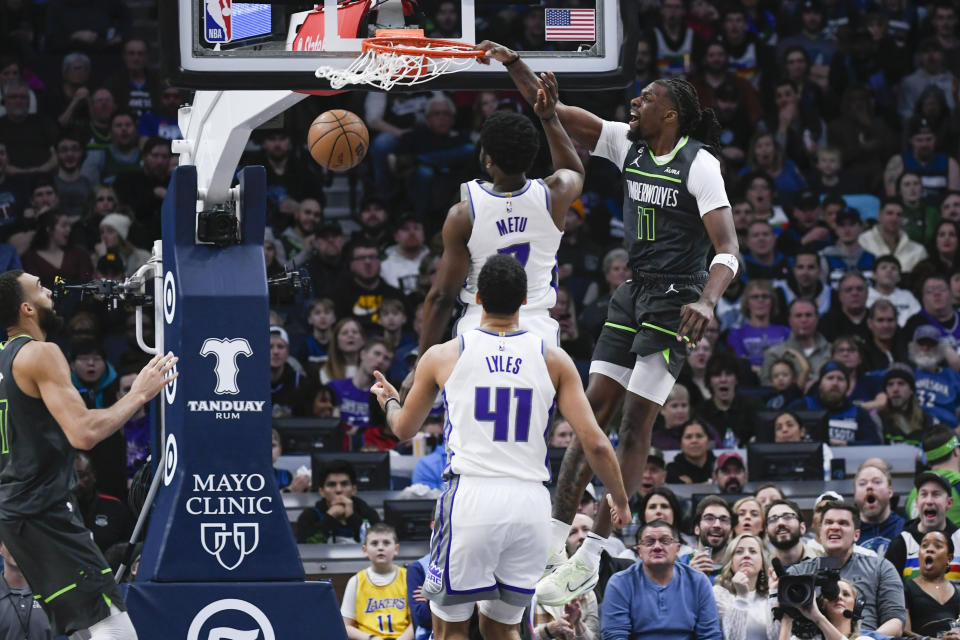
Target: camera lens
<point x="797" y="594"/>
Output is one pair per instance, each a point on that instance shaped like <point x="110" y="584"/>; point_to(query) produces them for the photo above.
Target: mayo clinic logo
<point x="244" y="539"/>
<point x="261" y="629"/>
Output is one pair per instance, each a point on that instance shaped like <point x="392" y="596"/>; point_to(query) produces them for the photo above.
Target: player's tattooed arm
<point x="574" y="475"/>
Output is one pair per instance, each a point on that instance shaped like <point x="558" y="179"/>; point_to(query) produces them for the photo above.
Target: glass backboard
<point x="228" y="44"/>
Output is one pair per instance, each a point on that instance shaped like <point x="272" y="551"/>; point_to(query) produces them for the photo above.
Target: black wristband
<point x="387" y="403"/>
<point x="546" y="631"/>
<point x="515" y="60"/>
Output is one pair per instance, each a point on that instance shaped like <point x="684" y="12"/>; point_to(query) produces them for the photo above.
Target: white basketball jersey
<point x="499" y="400"/>
<point x="518" y="224"/>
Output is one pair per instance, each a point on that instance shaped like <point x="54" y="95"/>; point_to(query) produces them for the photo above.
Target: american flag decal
<point x="570" y="24"/>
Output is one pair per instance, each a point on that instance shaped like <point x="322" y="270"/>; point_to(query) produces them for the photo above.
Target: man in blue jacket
<point x="846" y="422"/>
<point x="641" y="602"/>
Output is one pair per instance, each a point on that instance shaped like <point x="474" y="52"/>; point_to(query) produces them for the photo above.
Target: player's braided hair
<point x="700" y="124"/>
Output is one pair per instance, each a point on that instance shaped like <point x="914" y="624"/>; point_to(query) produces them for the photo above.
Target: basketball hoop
<point x="404" y="57"/>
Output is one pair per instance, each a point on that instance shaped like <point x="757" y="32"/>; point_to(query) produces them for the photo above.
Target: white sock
<point x="589" y="552"/>
<point x="558" y="536"/>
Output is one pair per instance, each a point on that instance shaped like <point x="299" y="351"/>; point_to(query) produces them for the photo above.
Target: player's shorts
<point x="638" y="344"/>
<point x="536" y="321"/>
<point x="66" y="571"/>
<point x="490" y="541"/>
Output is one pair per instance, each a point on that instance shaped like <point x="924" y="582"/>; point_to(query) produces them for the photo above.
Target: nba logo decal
<point x="217" y="25"/>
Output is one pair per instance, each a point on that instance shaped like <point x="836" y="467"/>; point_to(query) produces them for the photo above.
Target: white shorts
<point x="650" y="378"/>
<point x="490" y="541"/>
<point x="536" y="321"/>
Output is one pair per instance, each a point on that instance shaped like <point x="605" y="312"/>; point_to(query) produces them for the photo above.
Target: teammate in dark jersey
<point x="42" y="420"/>
<point x="675" y="208"/>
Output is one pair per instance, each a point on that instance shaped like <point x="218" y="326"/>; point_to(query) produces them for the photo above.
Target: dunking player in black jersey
<point x="42" y="419"/>
<point x="675" y="208"/>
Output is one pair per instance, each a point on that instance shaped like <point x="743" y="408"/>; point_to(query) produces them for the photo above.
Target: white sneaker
<point x="556" y="559"/>
<point x="569" y="581"/>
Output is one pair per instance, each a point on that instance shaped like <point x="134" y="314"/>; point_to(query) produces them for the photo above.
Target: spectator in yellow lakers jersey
<point x="375" y="602"/>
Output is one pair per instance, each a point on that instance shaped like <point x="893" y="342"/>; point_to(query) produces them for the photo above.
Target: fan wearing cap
<point x="901" y="417"/>
<point x="937" y="387"/>
<point x="847" y="424"/>
<point x="887" y="237"/>
<point x="730" y="474"/>
<point x="934" y="497"/>
<point x="811" y="37"/>
<point x="805" y="229"/>
<point x="938" y="171"/>
<point x="846" y="254"/>
<point x="401" y="268"/>
<point x="286" y="382"/>
<point x="941" y="448"/>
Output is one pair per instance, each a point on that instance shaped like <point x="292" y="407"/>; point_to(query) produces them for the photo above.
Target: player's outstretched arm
<point x="451" y="272"/>
<point x="581" y="124"/>
<point x="696" y="316"/>
<point x="566" y="182"/>
<point x="45" y="367"/>
<point x="406" y="419"/>
<point x="573" y="405"/>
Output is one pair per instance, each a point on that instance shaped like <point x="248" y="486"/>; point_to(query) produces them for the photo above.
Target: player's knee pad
<point x="500" y="611"/>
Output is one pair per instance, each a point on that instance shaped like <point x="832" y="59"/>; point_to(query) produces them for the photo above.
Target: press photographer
<point x="876" y="579"/>
<point x="832" y="619"/>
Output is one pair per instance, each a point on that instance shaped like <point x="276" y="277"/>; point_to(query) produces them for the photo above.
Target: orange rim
<point x="415" y="46"/>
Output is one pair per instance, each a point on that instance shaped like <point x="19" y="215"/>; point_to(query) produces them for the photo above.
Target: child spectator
<point x="339" y="515"/>
<point x="393" y="318"/>
<point x="321" y="316"/>
<point x="286" y="481"/>
<point x="137" y="429"/>
<point x="828" y="174"/>
<point x="786" y="381"/>
<point x="886" y="277"/>
<point x="375" y="603"/>
<point x="343" y="350"/>
<point x="353" y="393"/>
<point x="846" y="254"/>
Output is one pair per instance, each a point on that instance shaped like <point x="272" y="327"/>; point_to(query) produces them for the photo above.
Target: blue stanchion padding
<point x="242" y="611"/>
<point x="218" y="515"/>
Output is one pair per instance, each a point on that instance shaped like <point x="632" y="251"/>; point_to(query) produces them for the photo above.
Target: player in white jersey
<point x="511" y="214"/>
<point x="500" y="385"/>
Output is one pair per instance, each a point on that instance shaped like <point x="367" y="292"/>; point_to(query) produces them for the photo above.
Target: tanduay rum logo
<point x="225" y="352"/>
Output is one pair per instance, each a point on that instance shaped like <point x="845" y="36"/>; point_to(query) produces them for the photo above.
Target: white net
<point x="386" y="69"/>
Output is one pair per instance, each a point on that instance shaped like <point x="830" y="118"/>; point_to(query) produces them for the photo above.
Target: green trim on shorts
<point x="107" y="570"/>
<point x="667" y="331"/>
<point x="666" y="355"/>
<point x="60" y="593"/>
<point x="619" y="326"/>
<point x="107" y="600"/>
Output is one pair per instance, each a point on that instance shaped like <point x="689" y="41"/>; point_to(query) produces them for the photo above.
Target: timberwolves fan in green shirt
<point x="675" y="211"/>
<point x="42" y="420"/>
<point x="940" y="448"/>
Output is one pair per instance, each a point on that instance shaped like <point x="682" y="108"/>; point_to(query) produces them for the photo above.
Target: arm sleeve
<point x="613" y="143"/>
<point x="348" y="608"/>
<point x="705" y="183"/>
<point x="419" y="611"/>
<point x="708" y="620"/>
<point x="890" y="602"/>
<point x="615" y="609"/>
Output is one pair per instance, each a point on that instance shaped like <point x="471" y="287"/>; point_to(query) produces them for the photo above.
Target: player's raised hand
<point x="694" y="318"/>
<point x="383" y="390"/>
<point x="496" y="51"/>
<point x="154" y="376"/>
<point x="548" y="94"/>
<point x="619" y="511"/>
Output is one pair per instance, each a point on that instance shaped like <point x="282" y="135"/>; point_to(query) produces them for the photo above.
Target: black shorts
<point x="643" y="318"/>
<point x="66" y="571"/>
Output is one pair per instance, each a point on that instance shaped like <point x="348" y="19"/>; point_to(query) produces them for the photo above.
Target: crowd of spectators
<point x="839" y="146"/>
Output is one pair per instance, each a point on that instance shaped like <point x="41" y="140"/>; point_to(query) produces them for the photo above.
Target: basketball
<point x="338" y="140"/>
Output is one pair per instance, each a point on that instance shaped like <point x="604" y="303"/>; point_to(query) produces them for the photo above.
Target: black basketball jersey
<point x="36" y="459"/>
<point x="662" y="228"/>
